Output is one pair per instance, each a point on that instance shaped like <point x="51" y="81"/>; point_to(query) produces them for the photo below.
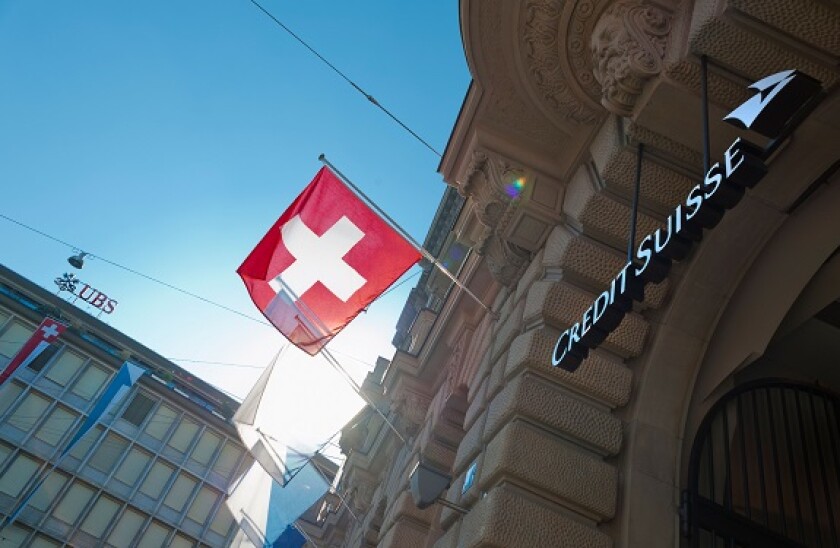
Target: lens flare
<point x="515" y="188"/>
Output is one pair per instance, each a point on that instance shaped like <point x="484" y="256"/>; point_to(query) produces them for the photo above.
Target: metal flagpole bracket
<point x="426" y="255"/>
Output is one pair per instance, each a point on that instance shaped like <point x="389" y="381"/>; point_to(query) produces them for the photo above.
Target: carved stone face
<point x="627" y="45"/>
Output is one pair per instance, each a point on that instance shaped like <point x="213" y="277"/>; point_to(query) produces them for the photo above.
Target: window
<point x="155" y="536"/>
<point x="160" y="422"/>
<point x="203" y="503"/>
<point x="132" y="467"/>
<point x="183" y="436"/>
<point x="156" y="479"/>
<point x="48" y="492"/>
<point x="90" y="381"/>
<point x="5" y="451"/>
<point x="180" y="492"/>
<point x="8" y="394"/>
<point x="108" y="453"/>
<point x="126" y="529"/>
<point x="180" y="541"/>
<point x="18" y="475"/>
<point x="57" y="424"/>
<point x="73" y="502"/>
<point x="222" y="521"/>
<point x="44" y="542"/>
<point x="13" y="338"/>
<point x="206" y="446"/>
<point x="41" y="360"/>
<point x="15" y="535"/>
<point x="138" y="409"/>
<point x="226" y="463"/>
<point x="63" y="369"/>
<point x="100" y="516"/>
<point x="29" y="411"/>
<point x="81" y="448"/>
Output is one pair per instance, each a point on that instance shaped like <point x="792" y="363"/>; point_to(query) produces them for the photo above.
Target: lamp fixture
<point x="77" y="260"/>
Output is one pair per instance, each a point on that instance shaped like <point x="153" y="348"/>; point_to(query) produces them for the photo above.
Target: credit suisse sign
<point x="770" y="112"/>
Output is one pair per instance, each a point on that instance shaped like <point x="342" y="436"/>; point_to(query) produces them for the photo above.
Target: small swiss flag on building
<point x="324" y="260"/>
<point x="41" y="339"/>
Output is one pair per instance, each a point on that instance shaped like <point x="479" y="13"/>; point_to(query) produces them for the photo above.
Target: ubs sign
<point x="91" y="295"/>
<point x="771" y="112"/>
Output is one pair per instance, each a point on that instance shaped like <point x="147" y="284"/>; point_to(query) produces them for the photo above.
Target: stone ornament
<point x="485" y="184"/>
<point x="628" y="46"/>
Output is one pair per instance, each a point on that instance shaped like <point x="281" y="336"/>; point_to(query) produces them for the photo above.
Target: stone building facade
<point x="671" y="432"/>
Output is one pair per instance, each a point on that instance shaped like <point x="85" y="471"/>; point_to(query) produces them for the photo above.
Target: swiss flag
<point x="44" y="336"/>
<point x="324" y="260"/>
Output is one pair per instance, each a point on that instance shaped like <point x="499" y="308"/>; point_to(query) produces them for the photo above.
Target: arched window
<point x="765" y="469"/>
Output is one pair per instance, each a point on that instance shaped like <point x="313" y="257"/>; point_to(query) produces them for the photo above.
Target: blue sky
<point x="168" y="135"/>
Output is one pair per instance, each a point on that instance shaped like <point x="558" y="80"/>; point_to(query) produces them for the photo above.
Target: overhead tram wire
<point x="191" y="294"/>
<point x="170" y="286"/>
<point x="355" y="86"/>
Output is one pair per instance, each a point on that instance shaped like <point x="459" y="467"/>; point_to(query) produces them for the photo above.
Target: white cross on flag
<point x="324" y="260"/>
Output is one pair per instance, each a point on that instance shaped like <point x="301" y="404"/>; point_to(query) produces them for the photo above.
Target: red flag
<point x="324" y="260"/>
<point x="44" y="336"/>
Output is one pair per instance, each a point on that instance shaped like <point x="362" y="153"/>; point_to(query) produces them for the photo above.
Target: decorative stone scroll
<point x="486" y="182"/>
<point x="628" y="46"/>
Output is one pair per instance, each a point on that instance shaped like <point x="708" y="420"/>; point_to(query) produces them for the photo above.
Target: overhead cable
<point x="355" y="86"/>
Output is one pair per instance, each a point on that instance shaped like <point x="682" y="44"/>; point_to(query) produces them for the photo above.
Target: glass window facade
<point x="65" y="367"/>
<point x="138" y="409"/>
<point x="13" y="337"/>
<point x="29" y="411"/>
<point x="152" y="474"/>
<point x="73" y="502"/>
<point x="90" y="381"/>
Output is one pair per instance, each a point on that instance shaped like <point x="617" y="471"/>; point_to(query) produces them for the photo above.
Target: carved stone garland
<point x="628" y="45"/>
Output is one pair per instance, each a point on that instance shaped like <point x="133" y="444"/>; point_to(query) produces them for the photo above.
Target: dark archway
<point x="765" y="469"/>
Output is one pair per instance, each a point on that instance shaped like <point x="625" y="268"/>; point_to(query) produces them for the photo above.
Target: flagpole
<point x="313" y="318"/>
<point x="358" y="389"/>
<point x="428" y="256"/>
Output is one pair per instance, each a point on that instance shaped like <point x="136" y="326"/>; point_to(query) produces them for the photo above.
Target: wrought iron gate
<point x="765" y="469"/>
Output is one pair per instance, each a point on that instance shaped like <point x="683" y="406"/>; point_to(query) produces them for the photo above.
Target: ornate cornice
<point x="543" y="47"/>
<point x="628" y="45"/>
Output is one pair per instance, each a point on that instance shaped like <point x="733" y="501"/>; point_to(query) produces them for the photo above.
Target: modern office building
<point x="710" y="415"/>
<point x="153" y="473"/>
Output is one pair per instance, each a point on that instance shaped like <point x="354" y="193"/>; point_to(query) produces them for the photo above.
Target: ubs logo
<point x="92" y="296"/>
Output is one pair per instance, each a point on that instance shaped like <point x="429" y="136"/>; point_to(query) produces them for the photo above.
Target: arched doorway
<point x="765" y="468"/>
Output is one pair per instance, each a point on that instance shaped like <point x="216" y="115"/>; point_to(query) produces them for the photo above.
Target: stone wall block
<point x="561" y="305"/>
<point x="689" y="158"/>
<point x="497" y="375"/>
<point x="599" y="378"/>
<point x="751" y="54"/>
<point x="540" y="401"/>
<point x="662" y="188"/>
<point x="404" y="534"/>
<point x="532" y="273"/>
<point x="812" y="22"/>
<point x="608" y="220"/>
<point x="507" y="518"/>
<point x="477" y="404"/>
<point x="450" y="537"/>
<point x="469" y="448"/>
<point x="403" y="509"/>
<point x="505" y="331"/>
<point x="554" y="468"/>
<point x="585" y="263"/>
